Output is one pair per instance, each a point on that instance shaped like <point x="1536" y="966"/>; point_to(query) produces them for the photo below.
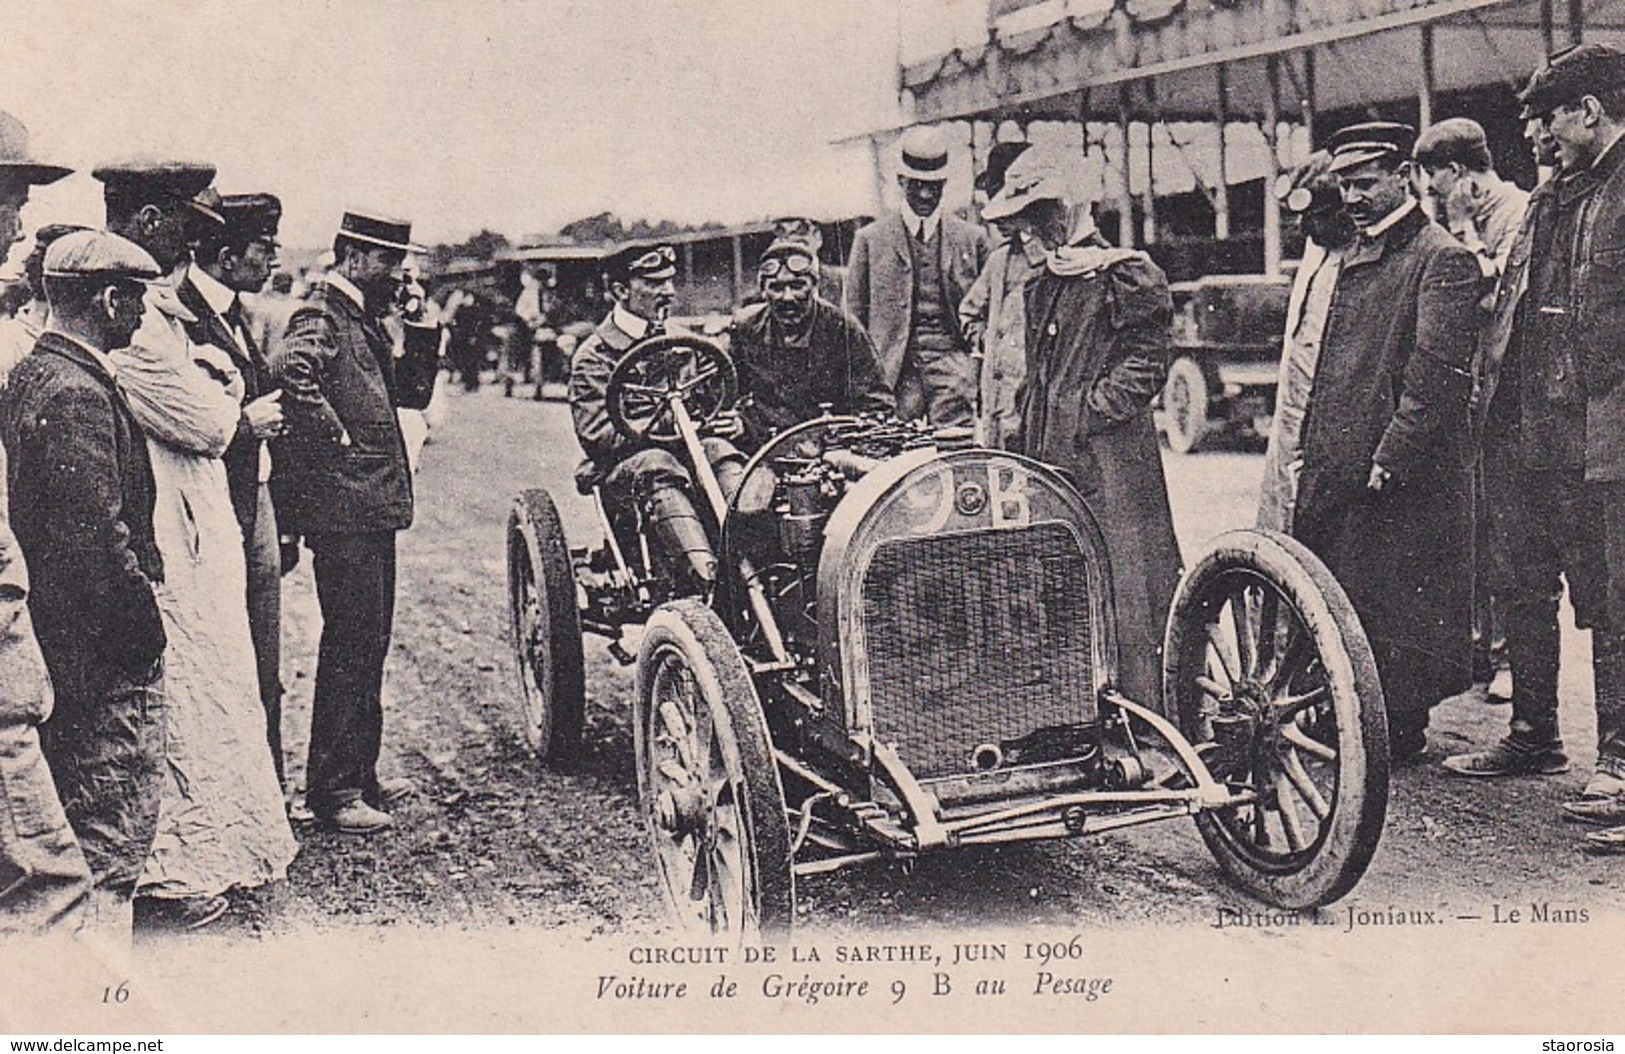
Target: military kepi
<point x="1587" y="69"/>
<point x="99" y="255"/>
<point x="183" y="181"/>
<point x="1358" y="144"/>
<point x="380" y="231"/>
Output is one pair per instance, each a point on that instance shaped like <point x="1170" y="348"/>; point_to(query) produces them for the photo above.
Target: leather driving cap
<point x="1585" y="69"/>
<point x="252" y="215"/>
<point x="183" y="181"/>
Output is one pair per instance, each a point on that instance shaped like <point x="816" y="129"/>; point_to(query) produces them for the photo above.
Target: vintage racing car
<point x="910" y="648"/>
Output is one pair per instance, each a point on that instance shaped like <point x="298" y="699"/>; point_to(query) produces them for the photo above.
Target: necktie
<point x="234" y="320"/>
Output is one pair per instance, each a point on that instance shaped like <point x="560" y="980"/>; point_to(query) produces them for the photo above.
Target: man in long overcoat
<point x="1385" y="495"/>
<point x="906" y="276"/>
<point x="1097" y="347"/>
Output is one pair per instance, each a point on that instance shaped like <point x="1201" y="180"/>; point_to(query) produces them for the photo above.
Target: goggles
<point x="790" y="263"/>
<point x="654" y="259"/>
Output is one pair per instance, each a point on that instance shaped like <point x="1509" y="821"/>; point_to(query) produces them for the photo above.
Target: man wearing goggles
<point x="797" y="353"/>
<point x="639" y="473"/>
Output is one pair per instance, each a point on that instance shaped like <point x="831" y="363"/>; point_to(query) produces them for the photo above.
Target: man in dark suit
<point x="44" y="883"/>
<point x="81" y="499"/>
<point x="342" y="481"/>
<point x="1385" y="493"/>
<point x="231" y="259"/>
<point x="906" y="277"/>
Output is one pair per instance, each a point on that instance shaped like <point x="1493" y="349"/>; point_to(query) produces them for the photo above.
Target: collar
<point x="916" y="224"/>
<point x="1378" y="229"/>
<point x="215" y="293"/>
<point x="347" y="287"/>
<point x="101" y="357"/>
<point x="634" y="326"/>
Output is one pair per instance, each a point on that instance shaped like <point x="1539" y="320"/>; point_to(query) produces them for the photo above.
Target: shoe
<point x="1601" y="803"/>
<point x="1512" y="756"/>
<point x="394" y="790"/>
<point x="358" y="818"/>
<point x="1611" y="840"/>
<point x="1500" y="690"/>
<point x="180" y="913"/>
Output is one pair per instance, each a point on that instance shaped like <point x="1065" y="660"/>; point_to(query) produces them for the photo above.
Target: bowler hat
<point x="15" y="161"/>
<point x="923" y="154"/>
<point x="381" y="231"/>
<point x="1357" y="144"/>
<point x="1586" y="69"/>
<point x="101" y="255"/>
<point x="183" y="181"/>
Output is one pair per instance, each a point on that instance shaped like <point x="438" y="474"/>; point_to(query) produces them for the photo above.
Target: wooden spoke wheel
<point x="546" y="629"/>
<point x="709" y="786"/>
<point x="1270" y="676"/>
<point x="690" y="368"/>
<point x="1184" y="401"/>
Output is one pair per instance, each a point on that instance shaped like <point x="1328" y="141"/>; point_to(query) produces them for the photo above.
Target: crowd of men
<point x="165" y="452"/>
<point x="1448" y="439"/>
<point x="1452" y="383"/>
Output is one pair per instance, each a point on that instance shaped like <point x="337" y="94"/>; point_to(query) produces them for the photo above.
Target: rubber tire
<point x="1360" y="805"/>
<point x="553" y="698"/>
<point x="1184" y="403"/>
<point x="699" y="636"/>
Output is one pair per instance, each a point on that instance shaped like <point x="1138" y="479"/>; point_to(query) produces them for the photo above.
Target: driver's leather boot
<point x="677" y="530"/>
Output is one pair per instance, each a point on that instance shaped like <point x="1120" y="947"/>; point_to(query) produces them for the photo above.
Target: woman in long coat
<point x="222" y="823"/>
<point x="1097" y="344"/>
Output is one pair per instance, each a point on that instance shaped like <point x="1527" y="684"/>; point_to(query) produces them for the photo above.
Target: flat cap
<point x="923" y="154"/>
<point x="184" y="181"/>
<point x="252" y="215"/>
<point x="1586" y="69"/>
<point x="99" y="254"/>
<point x="1454" y="139"/>
<point x="1359" y="143"/>
<point x="384" y="231"/>
<point x="16" y="163"/>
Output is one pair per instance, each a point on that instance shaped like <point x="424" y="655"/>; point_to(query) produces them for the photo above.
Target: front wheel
<point x="1269" y="674"/>
<point x="546" y="629"/>
<point x="707" y="780"/>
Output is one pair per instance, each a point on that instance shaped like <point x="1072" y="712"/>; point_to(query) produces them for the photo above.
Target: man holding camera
<point x="342" y="481"/>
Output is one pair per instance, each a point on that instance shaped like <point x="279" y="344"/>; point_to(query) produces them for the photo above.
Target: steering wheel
<point x="654" y="372"/>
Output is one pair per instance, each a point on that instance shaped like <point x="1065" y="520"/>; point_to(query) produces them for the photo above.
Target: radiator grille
<point x="976" y="638"/>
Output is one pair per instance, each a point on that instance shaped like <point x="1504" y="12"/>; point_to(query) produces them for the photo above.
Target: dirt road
<point x="496" y="840"/>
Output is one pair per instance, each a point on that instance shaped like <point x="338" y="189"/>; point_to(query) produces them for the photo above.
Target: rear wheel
<point x="1270" y="676"/>
<point x="546" y="629"/>
<point x="1184" y="399"/>
<point x="707" y="780"/>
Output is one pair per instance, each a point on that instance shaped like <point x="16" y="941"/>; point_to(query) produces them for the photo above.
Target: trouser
<point x="355" y="588"/>
<point x="1560" y="530"/>
<point x="938" y="383"/>
<point x="1490" y="575"/>
<point x="107" y="759"/>
<point x="655" y="482"/>
<point x="264" y="560"/>
<point x="44" y="880"/>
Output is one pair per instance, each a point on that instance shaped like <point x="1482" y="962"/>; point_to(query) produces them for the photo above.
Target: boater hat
<point x="15" y="161"/>
<point x="380" y="231"/>
<point x="923" y="154"/>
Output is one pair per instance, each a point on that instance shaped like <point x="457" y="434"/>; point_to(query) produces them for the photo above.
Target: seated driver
<point x="642" y="473"/>
<point x="798" y="353"/>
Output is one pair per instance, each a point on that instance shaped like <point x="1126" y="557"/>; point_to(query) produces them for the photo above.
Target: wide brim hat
<point x="16" y="163"/>
<point x="183" y="181"/>
<point x="1032" y="177"/>
<point x="999" y="159"/>
<point x="922" y="153"/>
<point x="381" y="231"/>
<point x="1359" y="144"/>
